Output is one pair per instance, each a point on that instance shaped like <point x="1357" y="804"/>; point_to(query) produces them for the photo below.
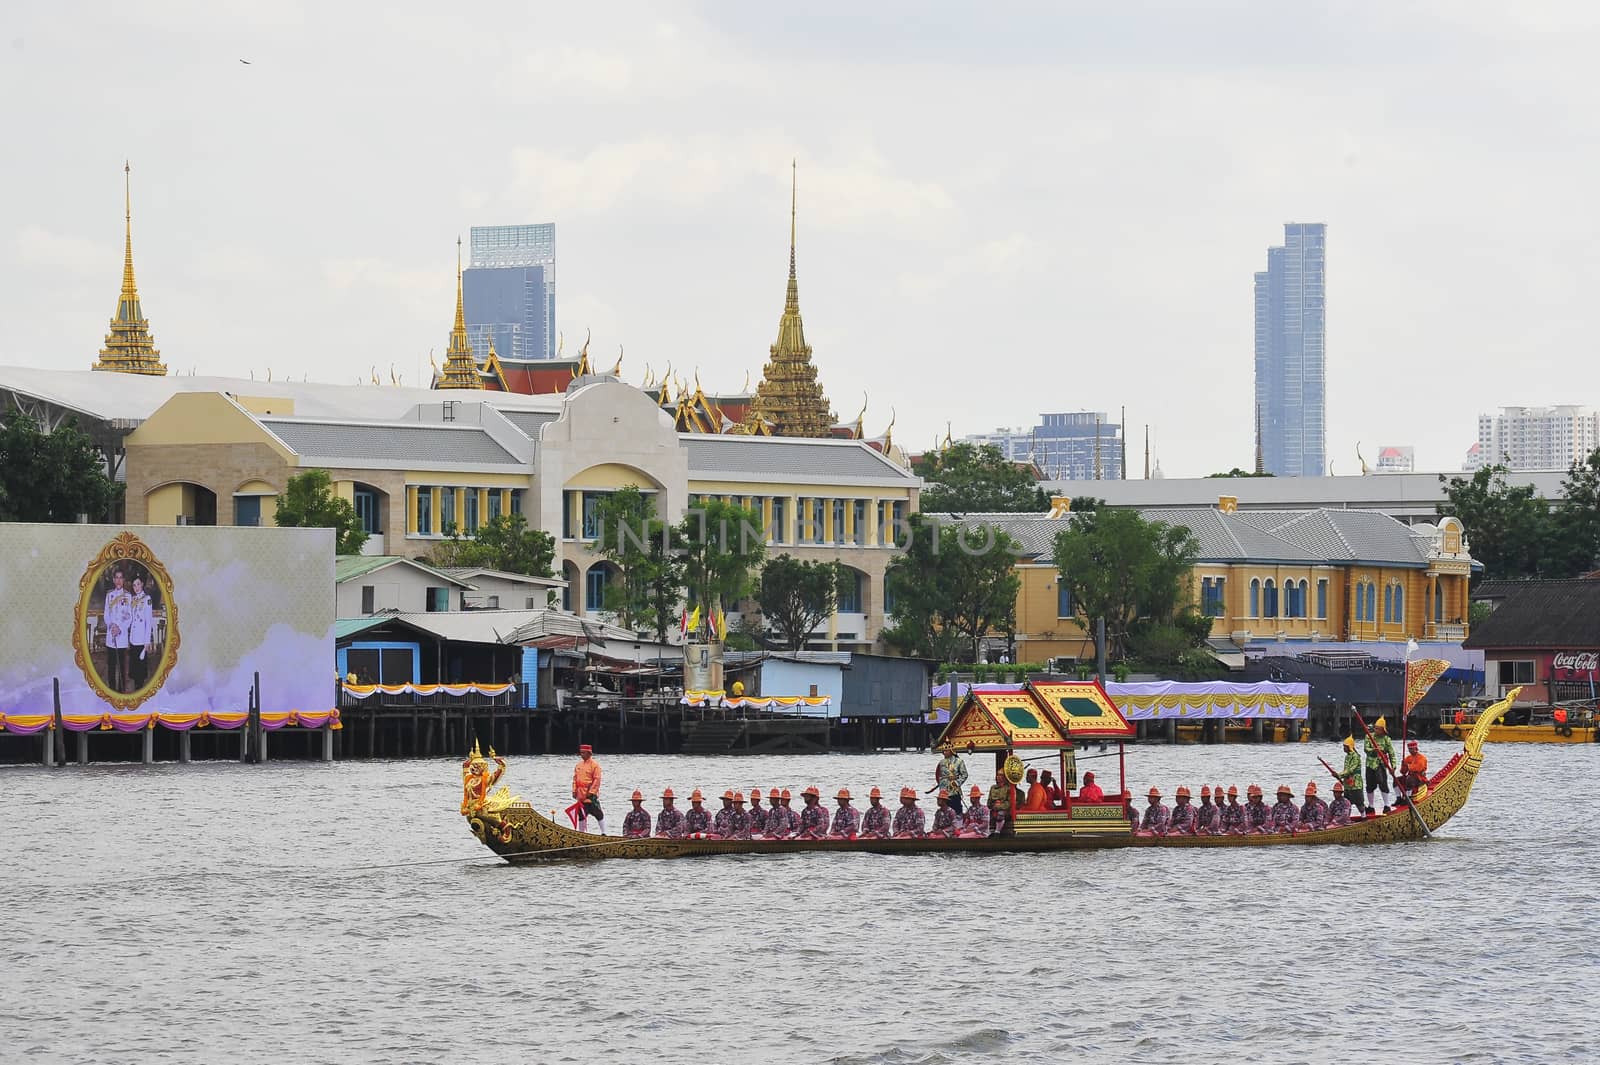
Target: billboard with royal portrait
<point x="176" y="619"/>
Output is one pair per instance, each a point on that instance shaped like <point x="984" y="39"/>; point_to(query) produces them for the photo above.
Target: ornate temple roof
<point x="790" y="396"/>
<point x="129" y="346"/>
<point x="460" y="368"/>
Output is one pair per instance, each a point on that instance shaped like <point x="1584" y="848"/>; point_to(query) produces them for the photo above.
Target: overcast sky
<point x="1005" y="209"/>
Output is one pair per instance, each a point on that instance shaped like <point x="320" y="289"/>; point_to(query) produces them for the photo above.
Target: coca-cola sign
<point x="1576" y="661"/>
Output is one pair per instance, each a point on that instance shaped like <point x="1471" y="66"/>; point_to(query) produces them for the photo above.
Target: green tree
<point x="952" y="586"/>
<point x="969" y="478"/>
<point x="798" y="596"/>
<point x="505" y="542"/>
<point x="51" y="477"/>
<point x="640" y="545"/>
<point x="1120" y="567"/>
<point x="1577" y="519"/>
<point x="1510" y="526"/>
<point x="719" y="544"/>
<point x="308" y="502"/>
<point x="1237" y="472"/>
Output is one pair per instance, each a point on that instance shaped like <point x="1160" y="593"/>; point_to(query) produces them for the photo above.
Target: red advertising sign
<point x="1576" y="665"/>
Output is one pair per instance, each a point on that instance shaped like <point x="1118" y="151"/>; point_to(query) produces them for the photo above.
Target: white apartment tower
<point x="1537" y="438"/>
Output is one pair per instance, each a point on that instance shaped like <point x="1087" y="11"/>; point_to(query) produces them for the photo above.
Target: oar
<point x="1406" y="795"/>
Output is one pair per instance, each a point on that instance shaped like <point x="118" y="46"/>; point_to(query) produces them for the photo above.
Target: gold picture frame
<point x="113" y="672"/>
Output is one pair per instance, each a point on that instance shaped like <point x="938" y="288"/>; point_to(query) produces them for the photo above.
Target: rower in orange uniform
<point x="1038" y="795"/>
<point x="586" y="789"/>
<point x="1413" y="768"/>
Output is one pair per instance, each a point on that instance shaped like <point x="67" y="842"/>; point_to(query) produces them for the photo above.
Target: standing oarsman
<point x="976" y="824"/>
<point x="1350" y="773"/>
<point x="908" y="820"/>
<point x="586" y="789"/>
<point x="697" y="822"/>
<point x="814" y="818"/>
<point x="758" y="816"/>
<point x="846" y="819"/>
<point x="1380" y="755"/>
<point x="637" y="824"/>
<point x="875" y="820"/>
<point x="669" y="822"/>
<point x="950" y="774"/>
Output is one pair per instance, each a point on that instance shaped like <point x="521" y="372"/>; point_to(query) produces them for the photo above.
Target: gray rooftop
<point x="810" y="460"/>
<point x="399" y="443"/>
<point x="530" y="421"/>
<point x="1292" y="537"/>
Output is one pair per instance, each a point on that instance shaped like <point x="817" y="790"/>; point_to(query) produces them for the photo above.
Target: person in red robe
<point x="1090" y="792"/>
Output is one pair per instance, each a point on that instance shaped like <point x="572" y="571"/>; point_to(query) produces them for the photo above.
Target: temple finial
<point x="794" y="204"/>
<point x="129" y="347"/>
<point x="460" y="365"/>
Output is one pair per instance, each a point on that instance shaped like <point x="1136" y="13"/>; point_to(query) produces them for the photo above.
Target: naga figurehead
<point x="477" y="778"/>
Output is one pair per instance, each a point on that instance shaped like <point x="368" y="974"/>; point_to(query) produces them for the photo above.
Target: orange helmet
<point x="696" y="796"/>
<point x="1183" y="791"/>
<point x="1233" y="789"/>
<point x="1155" y="793"/>
<point x="637" y="796"/>
<point x="1254" y="789"/>
<point x="1205" y="791"/>
<point x="785" y="795"/>
<point x="1311" y="787"/>
<point x="728" y="795"/>
<point x="774" y="794"/>
<point x="755" y="794"/>
<point x="977" y="792"/>
<point x="844" y="793"/>
<point x="812" y="790"/>
<point x="668" y="794"/>
<point x="874" y="794"/>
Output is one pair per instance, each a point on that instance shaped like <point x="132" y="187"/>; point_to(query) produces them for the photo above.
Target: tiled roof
<point x="788" y="457"/>
<point x="1355" y="536"/>
<point x="530" y="421"/>
<point x="1232" y="538"/>
<point x="396" y="442"/>
<point x="1542" y="614"/>
<point x="1296" y="537"/>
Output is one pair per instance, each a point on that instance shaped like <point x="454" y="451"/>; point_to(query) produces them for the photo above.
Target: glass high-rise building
<point x="1291" y="353"/>
<point x="509" y="291"/>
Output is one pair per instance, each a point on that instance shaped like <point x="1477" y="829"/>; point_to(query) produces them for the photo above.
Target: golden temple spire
<point x="792" y="397"/>
<point x="460" y="367"/>
<point x="129" y="347"/>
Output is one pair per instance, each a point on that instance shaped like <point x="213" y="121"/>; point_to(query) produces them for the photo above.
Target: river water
<point x="219" y="912"/>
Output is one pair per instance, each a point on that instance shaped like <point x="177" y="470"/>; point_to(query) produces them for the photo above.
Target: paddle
<point x="1406" y="795"/>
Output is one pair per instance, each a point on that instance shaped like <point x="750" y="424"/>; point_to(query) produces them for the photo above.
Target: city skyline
<point x="948" y="285"/>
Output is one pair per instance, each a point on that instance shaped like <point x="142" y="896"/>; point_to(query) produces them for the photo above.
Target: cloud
<point x="36" y="247"/>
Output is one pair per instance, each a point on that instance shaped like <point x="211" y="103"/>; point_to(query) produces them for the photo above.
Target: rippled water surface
<point x="218" y="912"/>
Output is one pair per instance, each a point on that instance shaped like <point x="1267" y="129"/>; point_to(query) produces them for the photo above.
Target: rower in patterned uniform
<point x="875" y="820"/>
<point x="669" y="822"/>
<point x="976" y="823"/>
<point x="637" y="824"/>
<point x="908" y="820"/>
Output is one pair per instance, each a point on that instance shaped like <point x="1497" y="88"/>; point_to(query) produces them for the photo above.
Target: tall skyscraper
<point x="1291" y="353"/>
<point x="509" y="289"/>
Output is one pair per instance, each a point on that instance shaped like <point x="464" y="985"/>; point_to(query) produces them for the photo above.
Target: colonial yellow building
<point x="1271" y="576"/>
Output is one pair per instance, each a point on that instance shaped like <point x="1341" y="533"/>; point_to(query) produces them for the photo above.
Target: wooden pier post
<point x="83" y="748"/>
<point x="148" y="754"/>
<point x="183" y="746"/>
<point x="1172" y="730"/>
<point x="1257" y="730"/>
<point x="58" y="735"/>
<point x="327" y="741"/>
